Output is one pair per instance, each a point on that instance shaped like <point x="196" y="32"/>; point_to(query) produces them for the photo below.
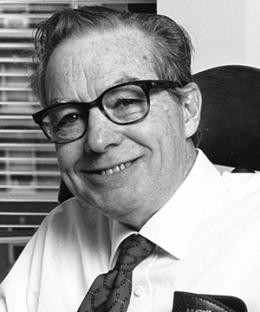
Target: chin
<point x="116" y="206"/>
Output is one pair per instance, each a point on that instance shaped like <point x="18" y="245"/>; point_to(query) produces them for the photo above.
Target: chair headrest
<point x="230" y="118"/>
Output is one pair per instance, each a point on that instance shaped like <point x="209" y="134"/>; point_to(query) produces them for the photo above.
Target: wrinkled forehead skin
<point x="97" y="61"/>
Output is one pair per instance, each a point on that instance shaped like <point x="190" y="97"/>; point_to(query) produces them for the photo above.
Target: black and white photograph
<point x="129" y="156"/>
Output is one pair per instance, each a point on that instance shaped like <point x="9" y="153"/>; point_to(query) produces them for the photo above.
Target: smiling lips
<point x="115" y="169"/>
<point x="112" y="170"/>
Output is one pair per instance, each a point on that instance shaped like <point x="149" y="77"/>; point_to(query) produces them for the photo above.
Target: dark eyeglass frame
<point x="146" y="86"/>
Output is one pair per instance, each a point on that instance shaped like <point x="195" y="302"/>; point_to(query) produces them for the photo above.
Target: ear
<point x="191" y="107"/>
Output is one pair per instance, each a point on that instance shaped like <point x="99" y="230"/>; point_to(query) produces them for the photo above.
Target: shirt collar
<point x="171" y="228"/>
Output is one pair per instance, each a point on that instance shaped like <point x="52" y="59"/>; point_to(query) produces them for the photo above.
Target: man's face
<point x="126" y="171"/>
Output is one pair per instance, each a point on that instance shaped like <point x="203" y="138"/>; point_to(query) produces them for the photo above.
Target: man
<point x="122" y="109"/>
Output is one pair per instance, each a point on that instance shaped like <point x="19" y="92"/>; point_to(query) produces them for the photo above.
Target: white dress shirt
<point x="207" y="239"/>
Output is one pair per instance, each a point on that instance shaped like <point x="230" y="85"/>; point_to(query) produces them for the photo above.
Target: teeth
<point x="117" y="168"/>
<point x="122" y="167"/>
<point x="128" y="164"/>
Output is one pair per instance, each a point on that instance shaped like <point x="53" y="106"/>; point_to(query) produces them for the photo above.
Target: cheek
<point x="168" y="129"/>
<point x="167" y="122"/>
<point x="69" y="154"/>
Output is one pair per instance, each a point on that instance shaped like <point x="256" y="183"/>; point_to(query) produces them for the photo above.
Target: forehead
<point x="99" y="60"/>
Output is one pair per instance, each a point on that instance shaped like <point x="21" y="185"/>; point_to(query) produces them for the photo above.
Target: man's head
<point x="128" y="170"/>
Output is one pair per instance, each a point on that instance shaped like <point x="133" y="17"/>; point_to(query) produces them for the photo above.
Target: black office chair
<point x="230" y="118"/>
<point x="64" y="192"/>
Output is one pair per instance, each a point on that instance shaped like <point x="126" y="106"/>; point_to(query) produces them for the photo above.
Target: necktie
<point x="110" y="292"/>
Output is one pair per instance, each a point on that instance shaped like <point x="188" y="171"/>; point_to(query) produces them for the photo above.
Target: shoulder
<point x="73" y="219"/>
<point x="232" y="217"/>
<point x="68" y="238"/>
<point x="236" y="207"/>
<point x="67" y="213"/>
<point x="244" y="185"/>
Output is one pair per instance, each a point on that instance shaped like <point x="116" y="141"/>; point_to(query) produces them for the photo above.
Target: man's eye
<point x="124" y="102"/>
<point x="69" y="119"/>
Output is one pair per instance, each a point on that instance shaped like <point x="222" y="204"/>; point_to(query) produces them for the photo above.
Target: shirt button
<point x="138" y="291"/>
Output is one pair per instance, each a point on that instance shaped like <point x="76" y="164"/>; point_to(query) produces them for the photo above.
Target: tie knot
<point x="132" y="251"/>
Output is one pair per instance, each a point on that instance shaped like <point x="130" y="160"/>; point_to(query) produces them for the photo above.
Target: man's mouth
<point x="118" y="168"/>
<point x="112" y="170"/>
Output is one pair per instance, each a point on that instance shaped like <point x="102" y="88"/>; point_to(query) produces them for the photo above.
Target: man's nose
<point x="102" y="133"/>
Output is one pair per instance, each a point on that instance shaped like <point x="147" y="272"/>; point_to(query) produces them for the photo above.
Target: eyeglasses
<point x="123" y="104"/>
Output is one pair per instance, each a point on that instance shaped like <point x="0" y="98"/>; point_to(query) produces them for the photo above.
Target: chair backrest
<point x="230" y="118"/>
<point x="64" y="192"/>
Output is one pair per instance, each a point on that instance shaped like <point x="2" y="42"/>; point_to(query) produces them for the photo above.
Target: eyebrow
<point x="57" y="101"/>
<point x="124" y="79"/>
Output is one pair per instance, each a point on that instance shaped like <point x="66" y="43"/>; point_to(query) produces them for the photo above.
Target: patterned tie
<point x="110" y="292"/>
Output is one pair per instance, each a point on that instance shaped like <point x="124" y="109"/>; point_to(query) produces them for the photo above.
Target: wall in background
<point x="222" y="31"/>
